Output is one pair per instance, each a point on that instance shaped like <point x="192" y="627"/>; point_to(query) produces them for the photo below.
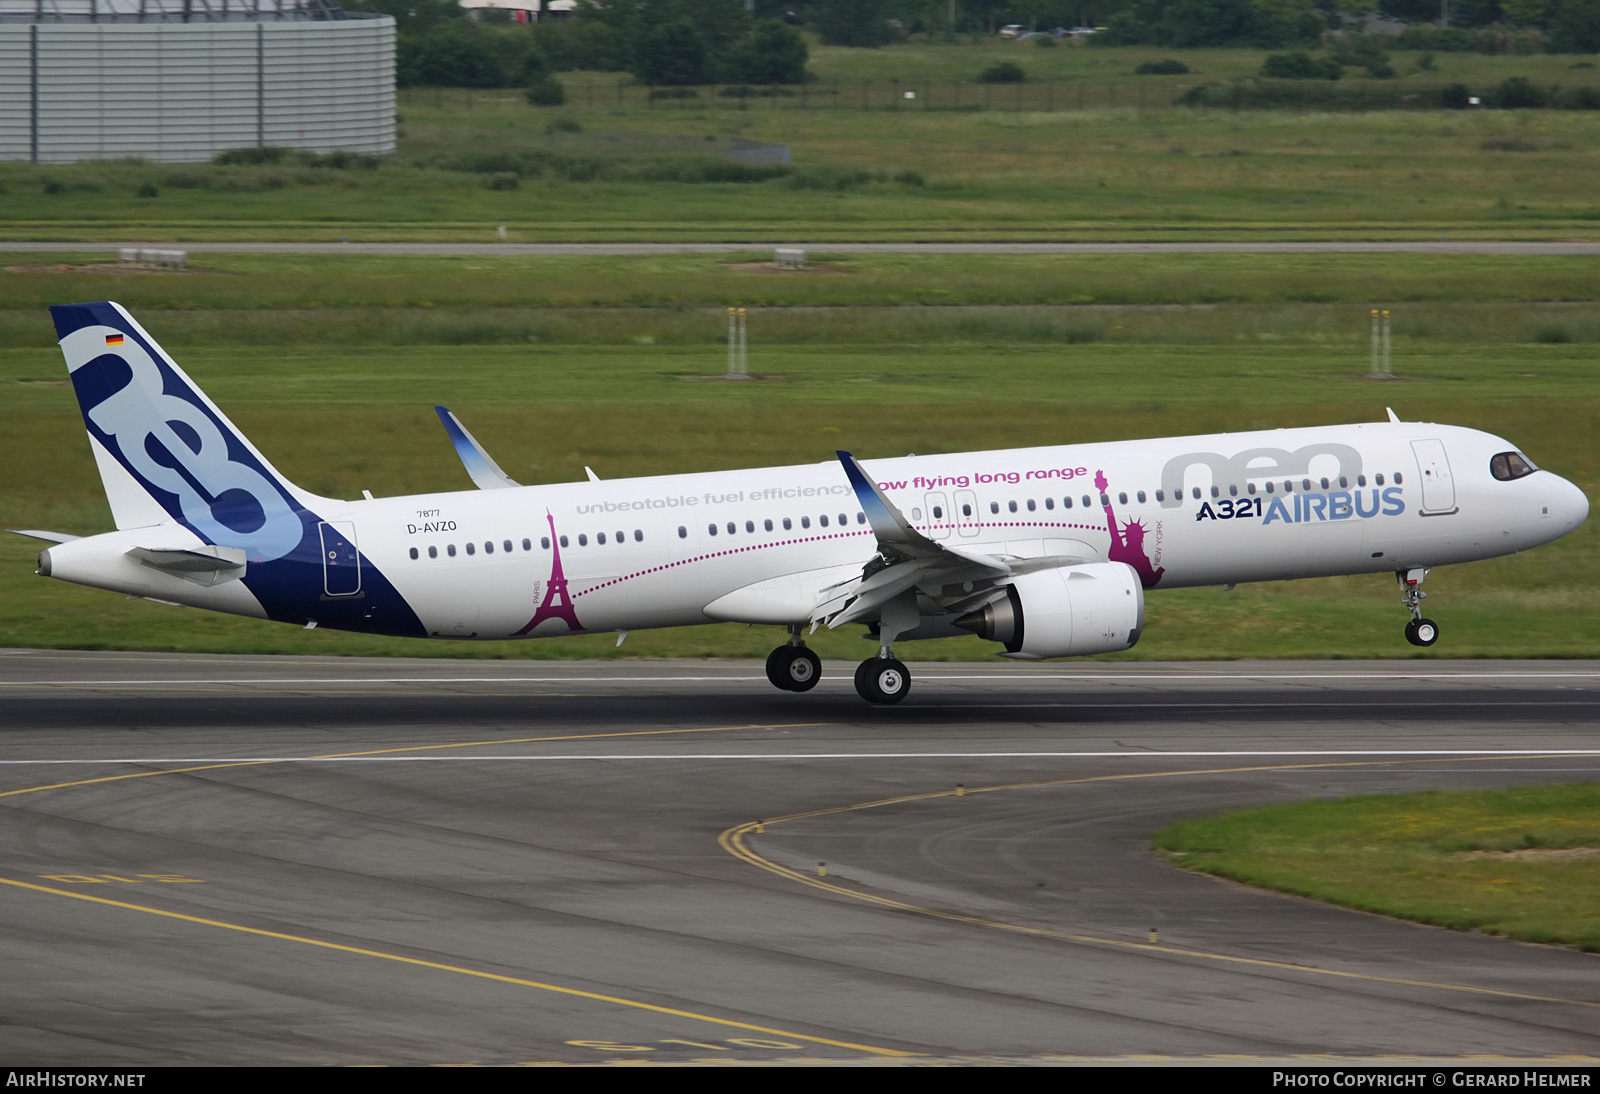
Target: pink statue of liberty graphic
<point x="557" y="603"/>
<point x="1128" y="544"/>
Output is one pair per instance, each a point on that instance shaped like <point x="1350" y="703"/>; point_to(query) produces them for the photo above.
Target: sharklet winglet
<point x="484" y="472"/>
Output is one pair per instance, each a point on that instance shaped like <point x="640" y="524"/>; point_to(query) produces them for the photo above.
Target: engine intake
<point x="1065" y="612"/>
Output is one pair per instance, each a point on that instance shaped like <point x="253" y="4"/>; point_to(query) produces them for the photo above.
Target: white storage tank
<point x="178" y="81"/>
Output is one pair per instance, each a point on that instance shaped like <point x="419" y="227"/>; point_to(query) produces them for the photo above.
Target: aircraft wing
<point x="485" y="473"/>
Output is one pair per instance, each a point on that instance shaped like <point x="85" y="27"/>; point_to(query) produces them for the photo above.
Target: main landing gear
<point x="882" y="679"/>
<point x="1420" y="631"/>
<point x="793" y="667"/>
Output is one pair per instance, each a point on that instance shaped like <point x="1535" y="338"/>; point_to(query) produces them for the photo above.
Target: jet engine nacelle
<point x="1064" y="612"/>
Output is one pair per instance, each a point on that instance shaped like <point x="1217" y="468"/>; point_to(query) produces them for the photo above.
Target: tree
<point x="673" y="54"/>
<point x="853" y="22"/>
<point x="774" y="54"/>
<point x="1575" y="26"/>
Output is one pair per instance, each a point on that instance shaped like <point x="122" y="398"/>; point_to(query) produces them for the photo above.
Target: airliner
<point x="1047" y="551"/>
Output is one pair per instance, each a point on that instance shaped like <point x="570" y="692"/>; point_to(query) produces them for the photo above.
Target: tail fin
<point x="164" y="450"/>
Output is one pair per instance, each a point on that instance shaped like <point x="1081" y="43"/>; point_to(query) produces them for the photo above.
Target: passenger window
<point x="471" y="549"/>
<point x="732" y="528"/>
<point x="1105" y="499"/>
<point x="583" y="539"/>
<point x="1122" y="498"/>
<point x="1378" y="478"/>
<point x="1233" y="491"/>
<point x="433" y="552"/>
<point x="544" y="543"/>
<point x="413" y="552"/>
<point x="861" y="518"/>
<point x="823" y="520"/>
<point x="1269" y="488"/>
<point x="711" y="528"/>
<point x="507" y="546"/>
<point x="1066" y="503"/>
<point x="749" y="526"/>
<point x="938" y="512"/>
<point x="787" y="524"/>
<point x="1305" y="484"/>
<point x="1087" y="501"/>
<point x="1216" y="493"/>
<point x="1031" y="507"/>
<point x="916" y="514"/>
<point x="1249" y="488"/>
<point x="767" y="525"/>
<point x="488" y="547"/>
<point x="1197" y="493"/>
<point x="1324" y="484"/>
<point x="1012" y="506"/>
<point x="638" y="535"/>
<point x="1344" y="483"/>
<point x="622" y="537"/>
<point x="563" y="541"/>
<point x="600" y="539"/>
<point x="1288" y="487"/>
<point x="805" y="522"/>
<point x="1049" y="503"/>
<point x="683" y="533"/>
<point x="1141" y="497"/>
<point x="966" y="510"/>
<point x="1161" y="495"/>
<point x="1361" y="480"/>
<point x="1397" y="479"/>
<point x="450" y="549"/>
<point x="994" y="507"/>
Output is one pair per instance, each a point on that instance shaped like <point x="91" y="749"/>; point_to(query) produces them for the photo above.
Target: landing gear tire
<point x="793" y="668"/>
<point x="1422" y="632"/>
<point x="882" y="680"/>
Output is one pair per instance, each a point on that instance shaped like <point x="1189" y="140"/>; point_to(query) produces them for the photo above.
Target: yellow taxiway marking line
<point x="637" y="1004"/>
<point x="733" y="841"/>
<point x="459" y="969"/>
<point x="407" y="748"/>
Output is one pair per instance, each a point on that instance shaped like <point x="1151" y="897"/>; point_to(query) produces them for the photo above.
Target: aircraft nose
<point x="1572" y="501"/>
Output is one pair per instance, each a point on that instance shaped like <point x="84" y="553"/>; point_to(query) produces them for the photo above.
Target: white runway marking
<point x="1524" y="753"/>
<point x="925" y="677"/>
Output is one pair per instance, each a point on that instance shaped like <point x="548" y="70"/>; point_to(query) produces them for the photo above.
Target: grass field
<point x="1518" y="863"/>
<point x="334" y="369"/>
<point x="596" y="171"/>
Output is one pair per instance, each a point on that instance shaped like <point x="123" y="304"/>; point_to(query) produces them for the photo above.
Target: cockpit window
<point x="1511" y="465"/>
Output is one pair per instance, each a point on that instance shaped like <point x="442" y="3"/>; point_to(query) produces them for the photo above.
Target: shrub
<point x="1165" y="67"/>
<point x="1516" y="93"/>
<point x="674" y="54"/>
<point x="546" y="90"/>
<point x="1006" y="72"/>
<point x="148" y="190"/>
<point x="1455" y="97"/>
<point x="1045" y="41"/>
<point x="502" y="180"/>
<point x="774" y="54"/>
<point x="1300" y="66"/>
<point x="913" y="178"/>
<point x="251" y="157"/>
<point x="853" y="22"/>
<point x="566" y="125"/>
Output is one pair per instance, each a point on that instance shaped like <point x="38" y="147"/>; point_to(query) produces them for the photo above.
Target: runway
<point x="1571" y="247"/>
<point x="262" y="860"/>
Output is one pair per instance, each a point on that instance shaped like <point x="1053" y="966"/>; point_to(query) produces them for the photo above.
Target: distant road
<point x="1584" y="247"/>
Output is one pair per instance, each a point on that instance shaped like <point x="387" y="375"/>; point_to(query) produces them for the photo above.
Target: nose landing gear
<point x="1419" y="631"/>
<point x="794" y="667"/>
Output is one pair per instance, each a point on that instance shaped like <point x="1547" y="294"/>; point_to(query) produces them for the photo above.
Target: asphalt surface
<point x="1443" y="246"/>
<point x="256" y="860"/>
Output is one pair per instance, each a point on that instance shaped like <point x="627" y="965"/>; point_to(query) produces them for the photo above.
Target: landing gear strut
<point x="793" y="667"/>
<point x="1420" y="631"/>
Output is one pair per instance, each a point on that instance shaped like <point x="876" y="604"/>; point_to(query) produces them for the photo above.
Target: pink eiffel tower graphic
<point x="557" y="603"/>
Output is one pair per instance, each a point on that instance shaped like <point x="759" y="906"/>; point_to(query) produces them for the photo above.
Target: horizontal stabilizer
<point x="208" y="565"/>
<point x="52" y="537"/>
<point x="485" y="473"/>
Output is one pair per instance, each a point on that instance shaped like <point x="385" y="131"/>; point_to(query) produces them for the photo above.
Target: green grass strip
<point x="1521" y="863"/>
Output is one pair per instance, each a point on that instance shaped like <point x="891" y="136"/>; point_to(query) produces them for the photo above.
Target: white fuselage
<point x="762" y="545"/>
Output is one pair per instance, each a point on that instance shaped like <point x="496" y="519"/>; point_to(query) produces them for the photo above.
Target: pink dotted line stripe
<point x="806" y="539"/>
